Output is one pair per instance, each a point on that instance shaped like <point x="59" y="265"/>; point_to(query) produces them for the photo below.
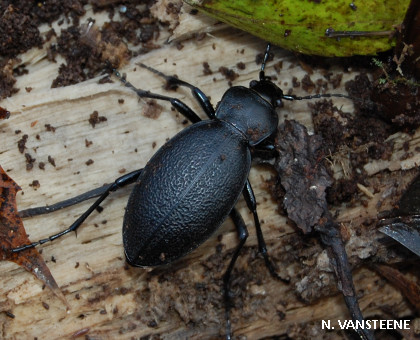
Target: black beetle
<point x="192" y="183"/>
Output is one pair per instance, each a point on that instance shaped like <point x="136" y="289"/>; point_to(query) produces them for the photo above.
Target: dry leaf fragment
<point x="302" y="174"/>
<point x="13" y="235"/>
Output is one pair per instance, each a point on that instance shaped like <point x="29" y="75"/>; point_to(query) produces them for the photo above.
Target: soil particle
<point x="94" y="118"/>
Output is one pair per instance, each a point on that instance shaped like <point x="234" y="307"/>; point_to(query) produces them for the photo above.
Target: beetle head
<point x="265" y="87"/>
<point x="268" y="90"/>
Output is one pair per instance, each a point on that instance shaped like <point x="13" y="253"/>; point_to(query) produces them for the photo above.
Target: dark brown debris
<point x="153" y="109"/>
<point x="22" y="143"/>
<point x="229" y="74"/>
<point x="4" y="114"/>
<point x="94" y="118"/>
<point x="86" y="50"/>
<point x="302" y="173"/>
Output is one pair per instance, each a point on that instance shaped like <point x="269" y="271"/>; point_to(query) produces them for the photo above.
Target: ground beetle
<point x="192" y="183"/>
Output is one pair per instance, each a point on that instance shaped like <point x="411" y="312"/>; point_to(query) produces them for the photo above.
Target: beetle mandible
<point x="192" y="183"/>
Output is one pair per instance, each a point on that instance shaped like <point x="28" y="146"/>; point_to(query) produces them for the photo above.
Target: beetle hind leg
<point x="243" y="235"/>
<point x="118" y="183"/>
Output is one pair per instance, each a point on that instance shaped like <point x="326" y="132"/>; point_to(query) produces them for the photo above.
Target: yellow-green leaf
<point x="301" y="25"/>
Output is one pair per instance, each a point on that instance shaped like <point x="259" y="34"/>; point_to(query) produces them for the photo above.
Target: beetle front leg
<point x="180" y="106"/>
<point x="199" y="95"/>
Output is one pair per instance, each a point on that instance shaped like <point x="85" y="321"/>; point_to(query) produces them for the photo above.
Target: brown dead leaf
<point x="13" y="235"/>
<point x="302" y="174"/>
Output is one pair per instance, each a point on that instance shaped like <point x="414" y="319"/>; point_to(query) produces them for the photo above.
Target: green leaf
<point x="301" y="25"/>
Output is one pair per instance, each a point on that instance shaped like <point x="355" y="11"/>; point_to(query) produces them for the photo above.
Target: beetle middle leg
<point x="262" y="248"/>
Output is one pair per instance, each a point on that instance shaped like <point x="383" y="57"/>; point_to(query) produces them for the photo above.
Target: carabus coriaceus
<point x="190" y="186"/>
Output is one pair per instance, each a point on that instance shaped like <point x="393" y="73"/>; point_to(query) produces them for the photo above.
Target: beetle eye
<point x="253" y="83"/>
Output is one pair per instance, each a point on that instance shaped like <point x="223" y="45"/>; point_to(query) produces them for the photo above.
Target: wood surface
<point x="109" y="299"/>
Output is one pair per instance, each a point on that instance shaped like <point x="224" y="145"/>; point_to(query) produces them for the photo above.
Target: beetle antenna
<point x="294" y="97"/>
<point x="372" y="105"/>
<point x="266" y="54"/>
<point x="316" y="96"/>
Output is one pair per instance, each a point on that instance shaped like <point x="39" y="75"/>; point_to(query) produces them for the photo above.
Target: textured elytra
<point x="185" y="192"/>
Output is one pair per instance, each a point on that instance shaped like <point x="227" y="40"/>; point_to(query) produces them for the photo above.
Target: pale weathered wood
<point x="110" y="300"/>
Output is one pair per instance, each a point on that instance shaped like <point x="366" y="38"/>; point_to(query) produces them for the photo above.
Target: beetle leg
<point x="264" y="151"/>
<point x="30" y="212"/>
<point x="252" y="205"/>
<point x="119" y="183"/>
<point x="199" y="95"/>
<point x="180" y="106"/>
<point x="243" y="235"/>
